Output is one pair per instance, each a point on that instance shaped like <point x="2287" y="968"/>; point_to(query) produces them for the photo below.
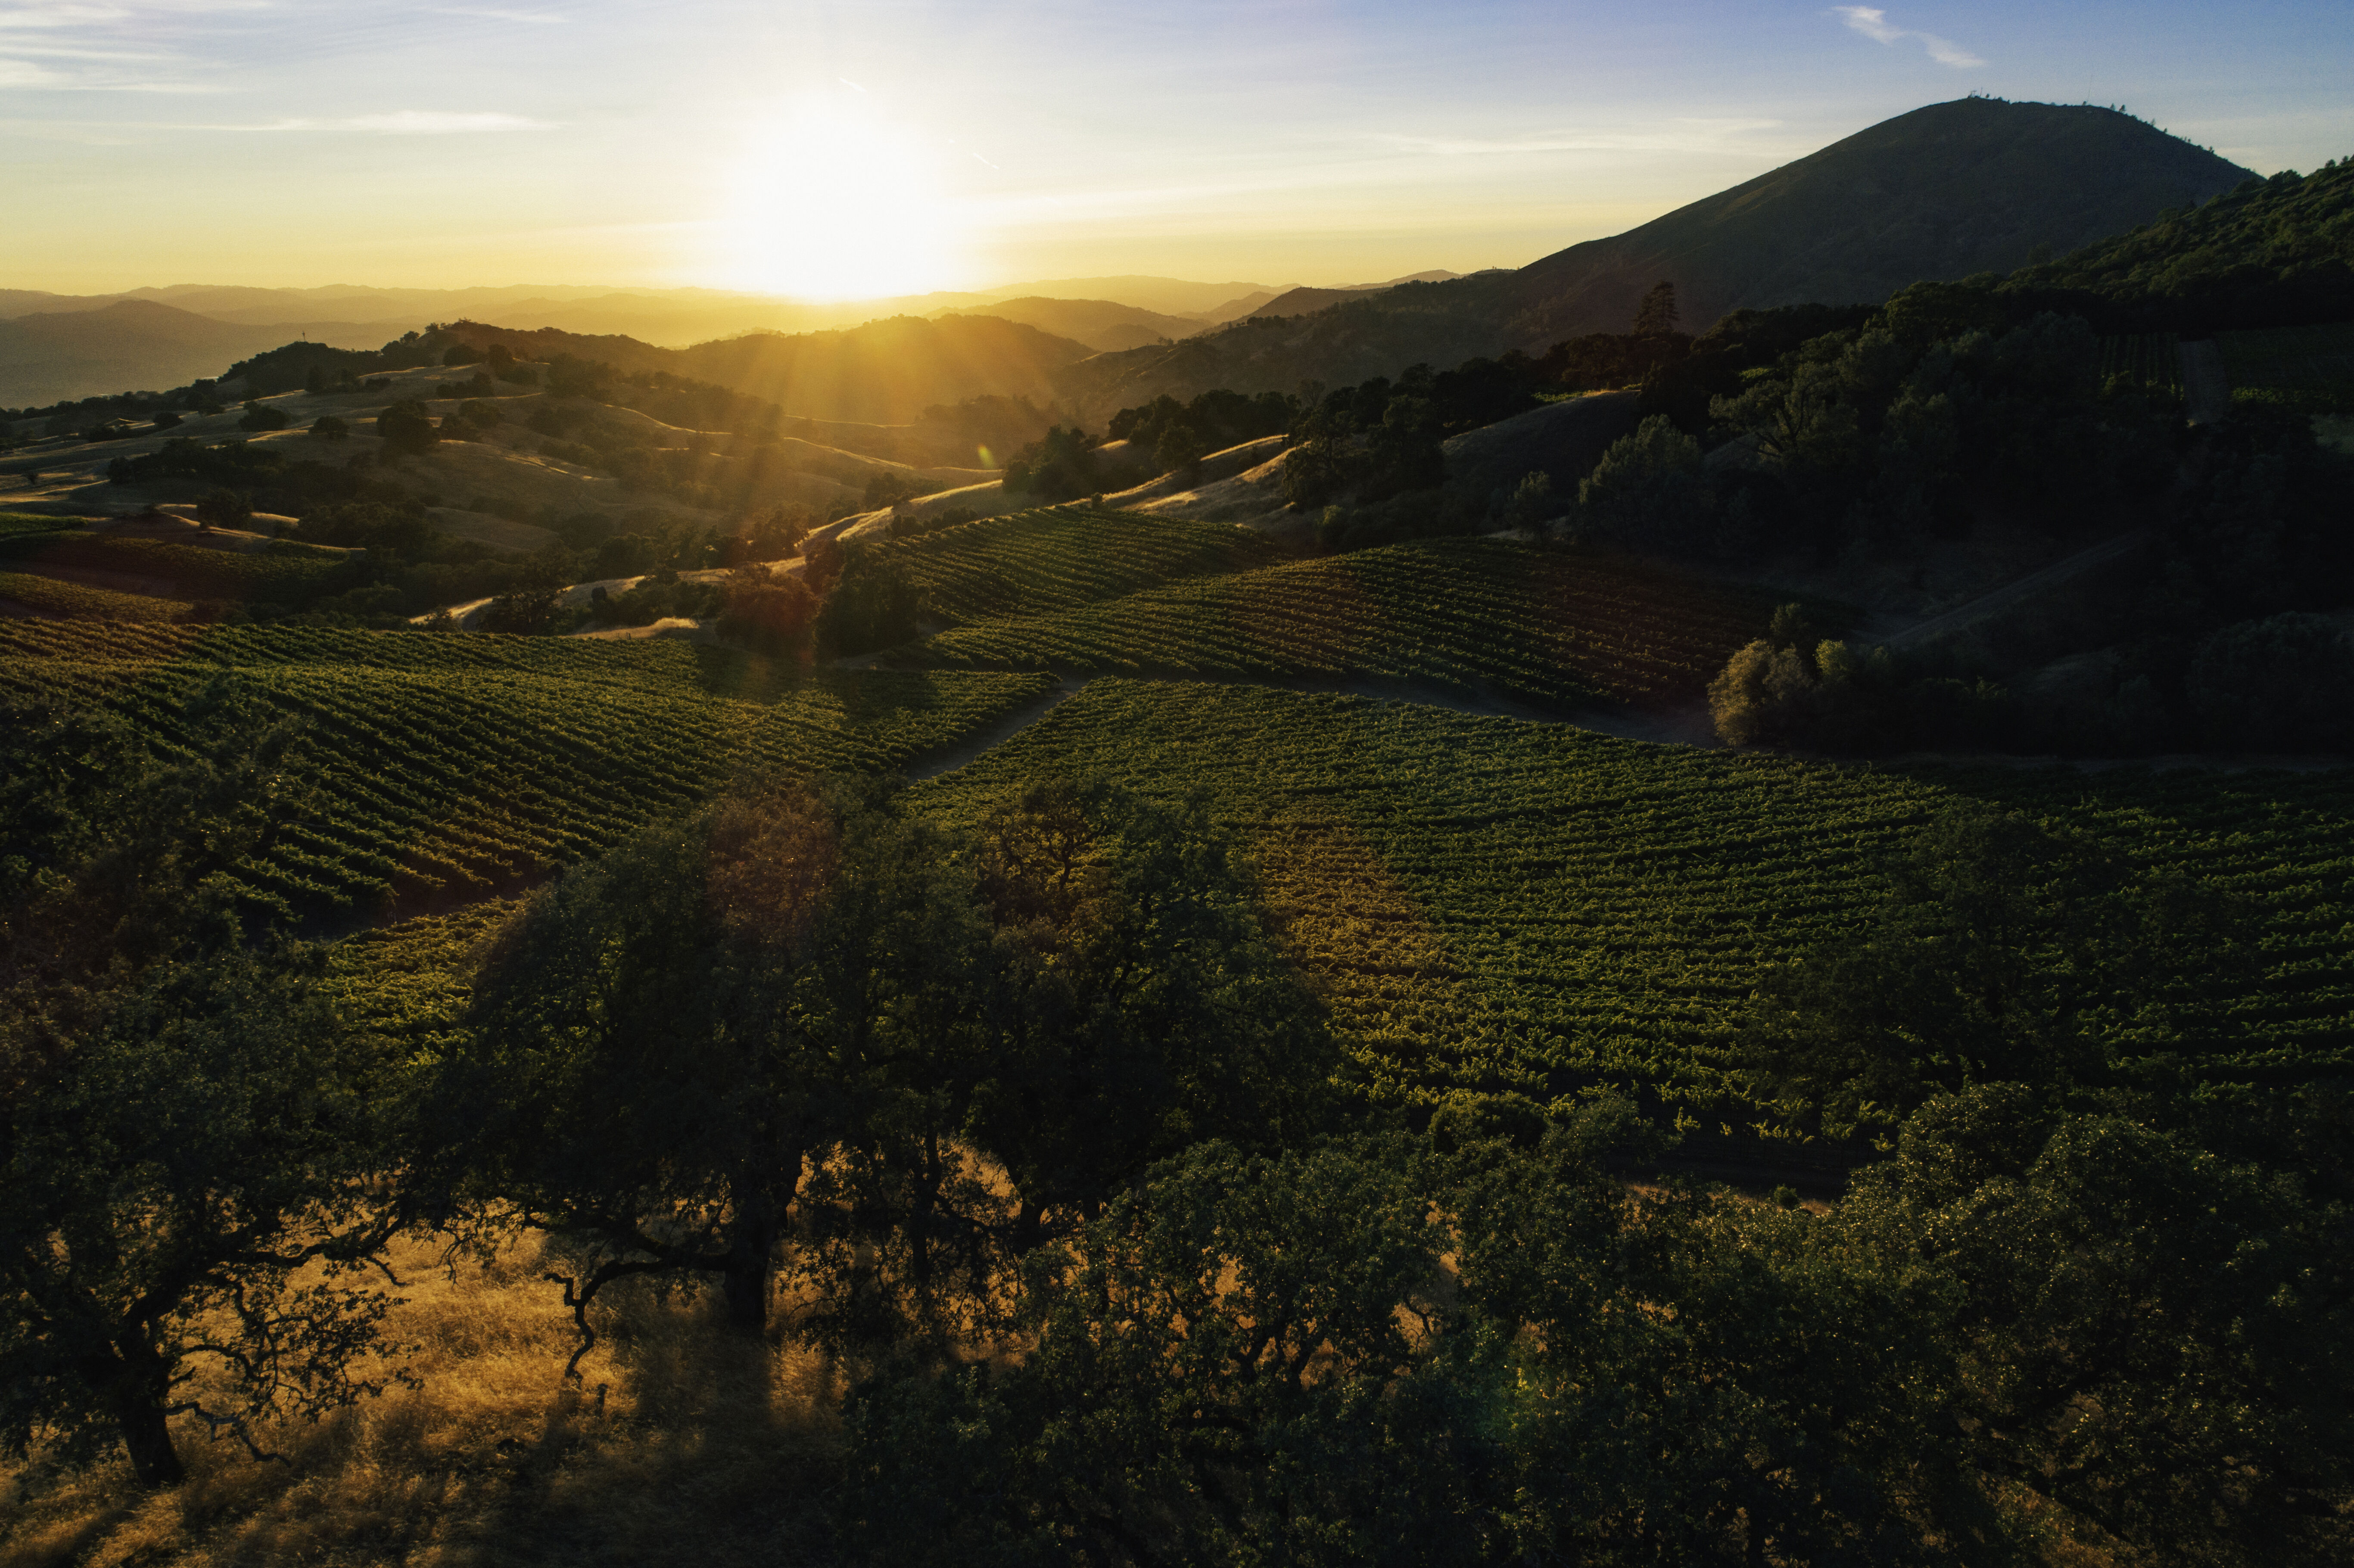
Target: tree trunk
<point x="148" y="1438"/>
<point x="745" y="1282"/>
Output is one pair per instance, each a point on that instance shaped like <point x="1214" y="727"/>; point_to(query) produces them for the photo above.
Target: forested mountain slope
<point x="2275" y="252"/>
<point x="1944" y="191"/>
<point x="1952" y="189"/>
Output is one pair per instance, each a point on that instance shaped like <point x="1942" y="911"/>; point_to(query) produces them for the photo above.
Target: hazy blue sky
<point x="900" y="144"/>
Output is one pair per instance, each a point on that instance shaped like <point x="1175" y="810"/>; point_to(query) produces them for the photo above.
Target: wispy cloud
<point x="536" y="18"/>
<point x="1874" y="24"/>
<point x="108" y="46"/>
<point x="436" y="122"/>
<point x="1681" y="136"/>
<point x="400" y="122"/>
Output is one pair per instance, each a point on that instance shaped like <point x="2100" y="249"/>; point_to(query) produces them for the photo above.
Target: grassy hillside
<point x="1498" y="907"/>
<point x="1568" y="630"/>
<point x="435" y="767"/>
<point x="1059" y="557"/>
<point x="680" y="1447"/>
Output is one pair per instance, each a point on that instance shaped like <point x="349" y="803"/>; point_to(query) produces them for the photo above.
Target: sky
<point x="893" y="146"/>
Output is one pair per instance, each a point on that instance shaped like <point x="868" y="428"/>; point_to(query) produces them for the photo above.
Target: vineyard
<point x="1565" y="630"/>
<point x="283" y="573"/>
<point x="1028" y="563"/>
<point x="2310" y="367"/>
<point x="54" y="596"/>
<point x="19" y="523"/>
<point x="1501" y="906"/>
<point x="437" y="767"/>
<point x="2154" y="359"/>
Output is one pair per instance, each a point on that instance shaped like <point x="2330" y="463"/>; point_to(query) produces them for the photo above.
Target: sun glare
<point x="834" y="205"/>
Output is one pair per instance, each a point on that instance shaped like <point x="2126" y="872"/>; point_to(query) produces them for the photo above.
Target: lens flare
<point x="836" y="203"/>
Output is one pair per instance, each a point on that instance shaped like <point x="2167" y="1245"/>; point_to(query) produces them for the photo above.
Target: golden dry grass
<point x="684" y="1443"/>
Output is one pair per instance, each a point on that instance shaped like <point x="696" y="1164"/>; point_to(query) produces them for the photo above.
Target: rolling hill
<point x="1105" y="326"/>
<point x="886" y="371"/>
<point x="51" y="356"/>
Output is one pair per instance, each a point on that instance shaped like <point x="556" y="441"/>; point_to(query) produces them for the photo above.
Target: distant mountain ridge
<point x="1942" y="191"/>
<point x="130" y="343"/>
<point x="882" y="373"/>
<point x="1975" y="186"/>
<point x="1104" y="325"/>
<point x="1303" y="301"/>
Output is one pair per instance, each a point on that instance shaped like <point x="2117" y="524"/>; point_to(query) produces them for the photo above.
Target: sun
<point x="836" y="204"/>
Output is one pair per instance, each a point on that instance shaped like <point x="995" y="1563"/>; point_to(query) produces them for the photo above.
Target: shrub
<point x="1180" y="449"/>
<point x="1058" y="466"/>
<point x="1647" y="493"/>
<point x="768" y="615"/>
<point x="258" y="417"/>
<point x="2285" y="682"/>
<point x="1760" y="697"/>
<point x="1532" y="506"/>
<point x="327" y="427"/>
<point x="405" y="426"/>
<point x="1841" y="698"/>
<point x="875" y="604"/>
<point x="224" y="508"/>
<point x="571" y="377"/>
<point x="530" y="608"/>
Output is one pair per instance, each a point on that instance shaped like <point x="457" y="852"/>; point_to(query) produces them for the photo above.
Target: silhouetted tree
<point x="406" y="427"/>
<point x="1656" y="316"/>
<point x="223" y="508"/>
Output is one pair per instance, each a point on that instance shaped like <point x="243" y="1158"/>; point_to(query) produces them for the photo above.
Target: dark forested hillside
<point x="1945" y="192"/>
<point x="1952" y="189"/>
<point x="2275" y="252"/>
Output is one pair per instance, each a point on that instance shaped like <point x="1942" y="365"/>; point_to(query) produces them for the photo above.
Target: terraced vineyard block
<point x="1556" y="628"/>
<point x="436" y="769"/>
<point x="1496" y="906"/>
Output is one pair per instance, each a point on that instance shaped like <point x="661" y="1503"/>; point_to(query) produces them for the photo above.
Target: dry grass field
<point x="682" y="1443"/>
